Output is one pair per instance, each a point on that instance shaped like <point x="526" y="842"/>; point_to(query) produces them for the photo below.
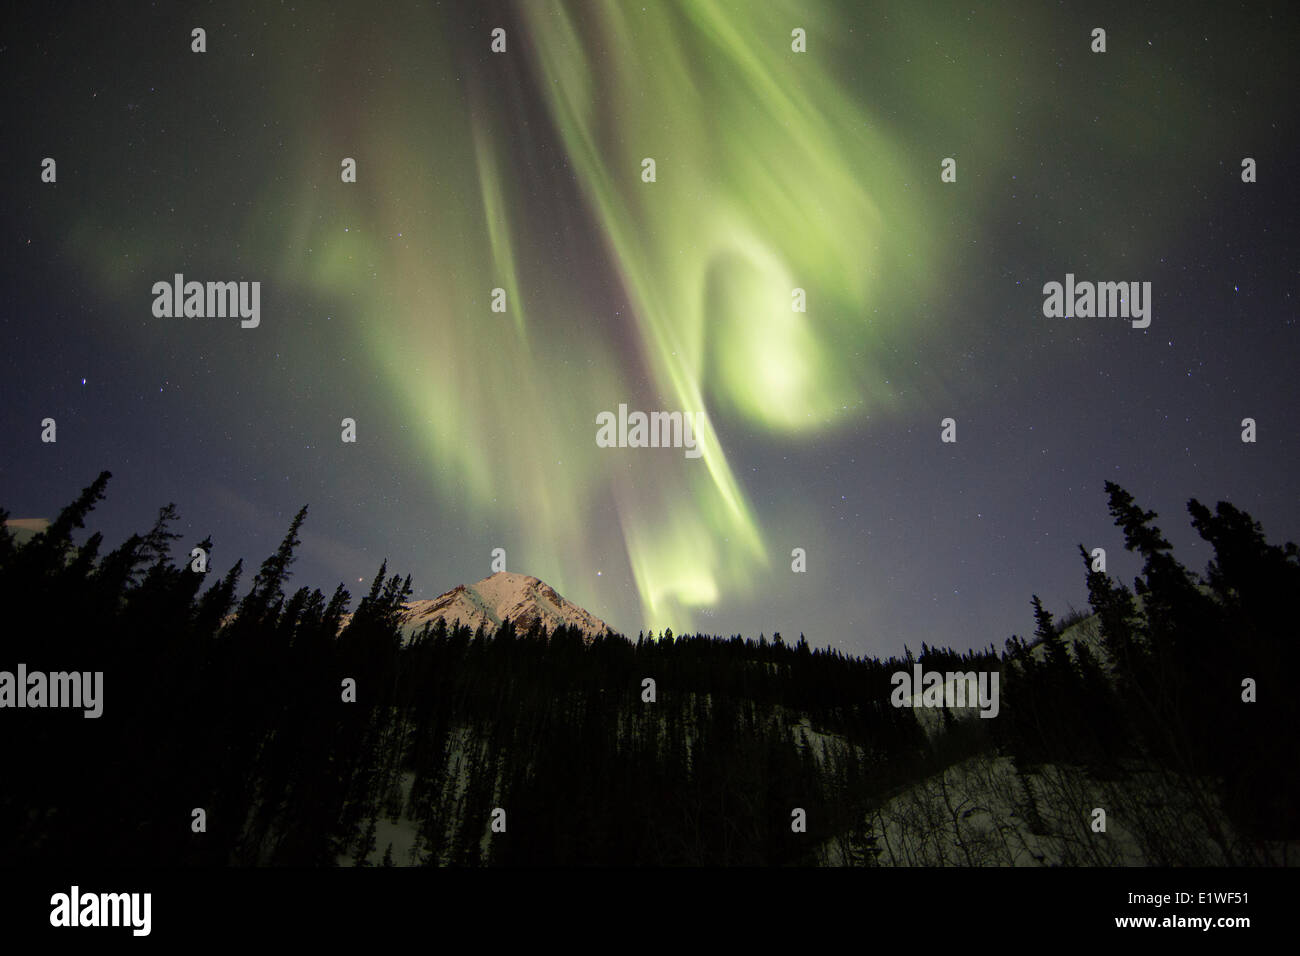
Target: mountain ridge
<point x="522" y="598"/>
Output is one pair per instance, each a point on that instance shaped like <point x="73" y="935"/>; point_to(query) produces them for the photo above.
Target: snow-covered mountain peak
<point x="522" y="598"/>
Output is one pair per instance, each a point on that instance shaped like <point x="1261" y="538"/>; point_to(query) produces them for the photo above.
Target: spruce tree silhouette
<point x="235" y="705"/>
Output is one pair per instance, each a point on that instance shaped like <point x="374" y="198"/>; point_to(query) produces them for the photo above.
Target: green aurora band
<point x="775" y="170"/>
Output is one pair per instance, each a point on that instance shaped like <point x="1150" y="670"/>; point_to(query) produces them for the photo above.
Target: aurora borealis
<point x="775" y="171"/>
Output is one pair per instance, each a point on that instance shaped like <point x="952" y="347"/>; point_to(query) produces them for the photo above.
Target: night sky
<point x="775" y="170"/>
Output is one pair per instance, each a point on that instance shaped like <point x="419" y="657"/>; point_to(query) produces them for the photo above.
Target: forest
<point x="268" y="727"/>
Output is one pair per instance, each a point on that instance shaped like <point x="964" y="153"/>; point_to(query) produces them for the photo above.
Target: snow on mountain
<point x="24" y="529"/>
<point x="523" y="599"/>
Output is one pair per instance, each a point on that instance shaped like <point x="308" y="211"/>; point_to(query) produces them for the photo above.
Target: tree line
<point x="238" y="706"/>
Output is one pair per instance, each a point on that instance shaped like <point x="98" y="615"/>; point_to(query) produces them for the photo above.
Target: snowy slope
<point x="523" y="599"/>
<point x="1086" y="632"/>
<point x="24" y="529"/>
